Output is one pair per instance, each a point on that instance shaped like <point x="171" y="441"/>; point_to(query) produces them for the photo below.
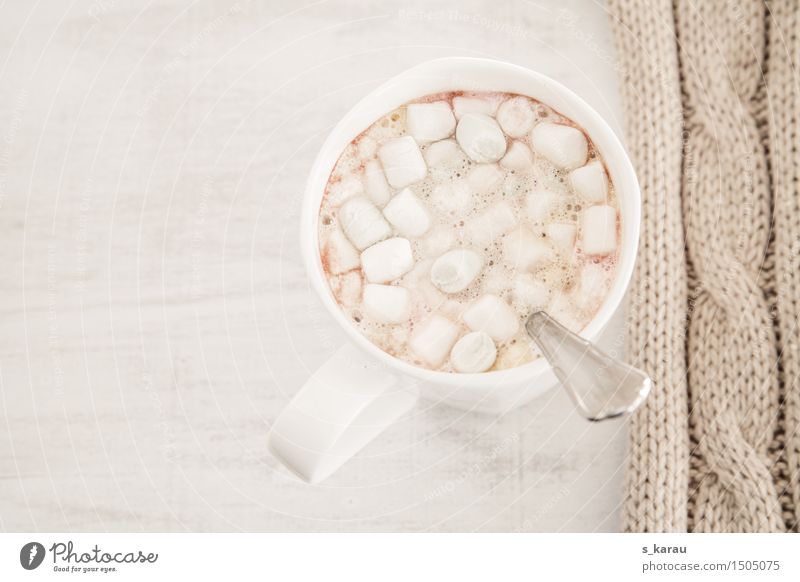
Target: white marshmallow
<point x="481" y="138"/>
<point x="422" y="290"/>
<point x="455" y="198"/>
<point x="347" y="288"/>
<point x="438" y="241"/>
<point x="345" y="189"/>
<point x="563" y="145"/>
<point x="444" y="154"/>
<point x="492" y="223"/>
<point x="599" y="230"/>
<point x="561" y="236"/>
<point x="407" y="214"/>
<point x="473" y="353"/>
<point x="492" y="315"/>
<point x="429" y="295"/>
<point x="452" y="308"/>
<point x="532" y="293"/>
<point x="593" y="283"/>
<point x="590" y="181"/>
<point x="376" y="186"/>
<point x="430" y="121"/>
<point x="387" y="303"/>
<point x="340" y="255"/>
<point x="402" y="161"/>
<point x="485" y="178"/>
<point x="516" y="116"/>
<point x="363" y="223"/>
<point x="539" y="204"/>
<point x="518" y="157"/>
<point x="388" y="260"/>
<point x="464" y="105"/>
<point x="434" y="338"/>
<point x="455" y="270"/>
<point x="524" y="251"/>
<point x="367" y="147"/>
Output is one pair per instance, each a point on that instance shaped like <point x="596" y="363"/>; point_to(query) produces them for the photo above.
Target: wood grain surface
<point x="155" y="314"/>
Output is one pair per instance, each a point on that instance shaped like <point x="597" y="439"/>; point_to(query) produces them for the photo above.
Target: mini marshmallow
<point x="492" y="315"/>
<point x="452" y="308"/>
<point x="464" y="105"/>
<point x="473" y="353"/>
<point x="402" y="161"/>
<point x="455" y="270"/>
<point x="340" y="254"/>
<point x="599" y="230"/>
<point x="429" y="295"/>
<point x="444" y="155"/>
<point x="485" y="178"/>
<point x="344" y="189"/>
<point x="516" y="116"/>
<point x="492" y="223"/>
<point x="531" y="293"/>
<point x="539" y="204"/>
<point x="407" y="214"/>
<point x="590" y="181"/>
<point x="563" y="145"/>
<point x="481" y="138"/>
<point x="438" y="241"/>
<point x="387" y="303"/>
<point x="430" y="121"/>
<point x="593" y="283"/>
<point x="455" y="197"/>
<point x="422" y="290"/>
<point x="434" y="338"/>
<point x="524" y="251"/>
<point x="367" y="147"/>
<point x="377" y="187"/>
<point x="347" y="288"/>
<point x="562" y="236"/>
<point x="518" y="157"/>
<point x="388" y="260"/>
<point x="363" y="223"/>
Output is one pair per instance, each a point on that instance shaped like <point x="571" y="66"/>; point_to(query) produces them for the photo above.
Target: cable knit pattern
<point x="712" y="95"/>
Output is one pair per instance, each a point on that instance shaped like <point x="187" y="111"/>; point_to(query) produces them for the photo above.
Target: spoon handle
<point x="600" y="386"/>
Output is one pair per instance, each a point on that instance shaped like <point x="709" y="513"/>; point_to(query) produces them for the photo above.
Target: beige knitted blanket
<point x="713" y="107"/>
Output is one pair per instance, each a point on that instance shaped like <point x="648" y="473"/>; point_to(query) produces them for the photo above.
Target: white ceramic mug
<point x="361" y="389"/>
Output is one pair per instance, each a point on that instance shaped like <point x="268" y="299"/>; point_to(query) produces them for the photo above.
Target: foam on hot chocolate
<point x="441" y="231"/>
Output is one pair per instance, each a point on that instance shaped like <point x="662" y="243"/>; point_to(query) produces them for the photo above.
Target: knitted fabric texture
<point x="713" y="107"/>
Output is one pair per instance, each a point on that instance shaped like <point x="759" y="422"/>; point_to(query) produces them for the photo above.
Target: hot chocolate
<point x="452" y="218"/>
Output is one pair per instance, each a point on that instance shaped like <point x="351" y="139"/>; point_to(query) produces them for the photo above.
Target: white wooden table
<point x="155" y="315"/>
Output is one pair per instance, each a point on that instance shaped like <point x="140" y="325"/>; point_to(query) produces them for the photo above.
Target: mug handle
<point x="343" y="406"/>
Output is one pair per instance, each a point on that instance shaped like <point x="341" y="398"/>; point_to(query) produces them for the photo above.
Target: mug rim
<point x="430" y="77"/>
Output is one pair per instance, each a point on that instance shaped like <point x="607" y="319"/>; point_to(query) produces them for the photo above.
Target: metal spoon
<point x="600" y="386"/>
